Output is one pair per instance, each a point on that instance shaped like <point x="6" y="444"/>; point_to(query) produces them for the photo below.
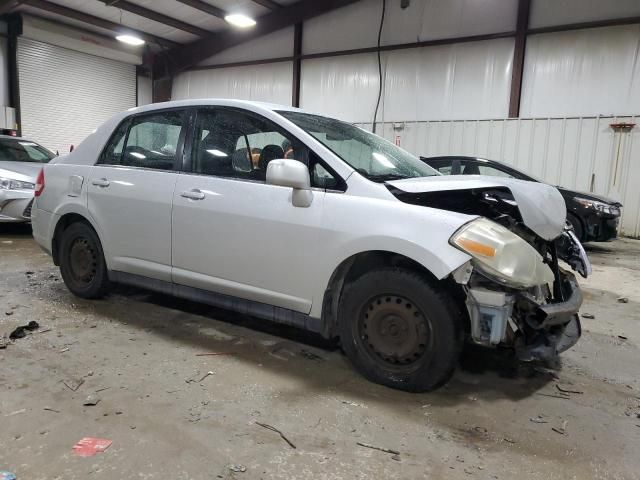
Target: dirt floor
<point x="137" y="355"/>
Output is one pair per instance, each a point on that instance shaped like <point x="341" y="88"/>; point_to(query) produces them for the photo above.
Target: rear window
<point x="23" y="151"/>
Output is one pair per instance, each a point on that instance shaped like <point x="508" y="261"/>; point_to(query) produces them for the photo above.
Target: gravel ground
<point x="136" y="353"/>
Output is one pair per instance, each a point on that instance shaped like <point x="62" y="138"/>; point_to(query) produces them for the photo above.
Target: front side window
<point x="231" y="143"/>
<point x="23" y="151"/>
<point x="147" y="141"/>
<point x="372" y="156"/>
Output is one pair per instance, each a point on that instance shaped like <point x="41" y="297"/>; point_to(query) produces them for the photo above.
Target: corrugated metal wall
<point x="579" y="153"/>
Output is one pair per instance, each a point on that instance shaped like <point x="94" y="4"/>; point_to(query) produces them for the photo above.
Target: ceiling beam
<point x="95" y="21"/>
<point x="156" y="17"/>
<point x="270" y="4"/>
<point x="205" y="7"/>
<point x="6" y="6"/>
<point x="186" y="56"/>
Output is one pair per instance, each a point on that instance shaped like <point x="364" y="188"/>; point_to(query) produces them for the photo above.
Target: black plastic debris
<point x="22" y="330"/>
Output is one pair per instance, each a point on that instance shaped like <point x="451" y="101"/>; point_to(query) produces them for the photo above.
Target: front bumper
<point x="538" y="329"/>
<point x="15" y="205"/>
<point x="601" y="228"/>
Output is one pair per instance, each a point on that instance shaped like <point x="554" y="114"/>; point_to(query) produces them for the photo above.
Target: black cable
<point x="375" y="113"/>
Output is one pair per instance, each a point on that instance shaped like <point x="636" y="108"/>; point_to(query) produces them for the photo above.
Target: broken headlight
<point x="501" y="254"/>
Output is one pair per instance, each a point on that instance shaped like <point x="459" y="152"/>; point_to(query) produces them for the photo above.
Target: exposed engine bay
<point x="539" y="322"/>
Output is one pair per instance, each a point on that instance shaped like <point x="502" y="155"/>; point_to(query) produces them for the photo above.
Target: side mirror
<point x="294" y="174"/>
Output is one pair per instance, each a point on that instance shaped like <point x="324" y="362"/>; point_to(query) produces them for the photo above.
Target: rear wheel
<point x="82" y="262"/>
<point x="400" y="331"/>
<point x="576" y="223"/>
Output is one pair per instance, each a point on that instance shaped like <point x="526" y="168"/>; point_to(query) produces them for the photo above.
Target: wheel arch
<point x="62" y="224"/>
<point x="354" y="266"/>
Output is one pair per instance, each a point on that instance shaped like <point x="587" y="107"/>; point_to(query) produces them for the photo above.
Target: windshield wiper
<point x="387" y="177"/>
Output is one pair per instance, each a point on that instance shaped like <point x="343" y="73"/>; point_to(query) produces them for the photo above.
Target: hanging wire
<point x="375" y="113"/>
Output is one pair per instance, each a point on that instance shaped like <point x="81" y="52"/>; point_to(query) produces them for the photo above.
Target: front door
<point x="233" y="233"/>
<point x="131" y="190"/>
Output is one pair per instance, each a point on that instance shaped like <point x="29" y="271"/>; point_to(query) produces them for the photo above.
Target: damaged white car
<point x="310" y="221"/>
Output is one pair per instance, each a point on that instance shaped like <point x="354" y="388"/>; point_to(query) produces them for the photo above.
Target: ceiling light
<point x="130" y="40"/>
<point x="239" y="20"/>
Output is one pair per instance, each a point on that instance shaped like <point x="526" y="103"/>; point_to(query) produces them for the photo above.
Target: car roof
<point x="227" y="102"/>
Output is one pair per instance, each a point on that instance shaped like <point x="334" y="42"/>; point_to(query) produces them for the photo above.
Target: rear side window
<point x="148" y="141"/>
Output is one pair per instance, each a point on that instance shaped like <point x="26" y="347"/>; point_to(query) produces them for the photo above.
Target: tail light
<point x="39" y="183"/>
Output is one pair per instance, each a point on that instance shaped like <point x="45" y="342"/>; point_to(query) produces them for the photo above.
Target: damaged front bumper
<point x="526" y="320"/>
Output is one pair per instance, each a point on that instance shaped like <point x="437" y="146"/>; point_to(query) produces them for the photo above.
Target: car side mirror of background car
<point x="294" y="174"/>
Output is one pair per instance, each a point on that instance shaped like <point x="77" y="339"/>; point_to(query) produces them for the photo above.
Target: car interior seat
<point x="471" y="169"/>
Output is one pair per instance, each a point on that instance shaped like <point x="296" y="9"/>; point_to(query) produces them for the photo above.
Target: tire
<point x="82" y="264"/>
<point x="399" y="330"/>
<point x="576" y="223"/>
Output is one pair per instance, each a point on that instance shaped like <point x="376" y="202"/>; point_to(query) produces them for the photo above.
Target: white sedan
<point x="309" y="221"/>
<point x="20" y="162"/>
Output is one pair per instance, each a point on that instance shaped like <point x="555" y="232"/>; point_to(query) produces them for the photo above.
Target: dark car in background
<point x="20" y="162"/>
<point x="594" y="218"/>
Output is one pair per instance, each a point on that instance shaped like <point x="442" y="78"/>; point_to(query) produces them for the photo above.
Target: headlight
<point x="596" y="205"/>
<point x="10" y="184"/>
<point x="501" y="254"/>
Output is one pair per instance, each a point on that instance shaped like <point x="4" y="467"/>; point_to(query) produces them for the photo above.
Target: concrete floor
<point x="138" y="353"/>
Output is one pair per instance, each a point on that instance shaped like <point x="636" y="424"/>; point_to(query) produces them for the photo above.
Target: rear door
<point x="131" y="190"/>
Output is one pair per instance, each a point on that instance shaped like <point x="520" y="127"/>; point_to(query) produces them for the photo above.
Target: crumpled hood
<point x="23" y="171"/>
<point x="541" y="206"/>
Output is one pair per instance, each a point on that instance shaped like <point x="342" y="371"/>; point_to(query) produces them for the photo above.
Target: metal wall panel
<point x="585" y="154"/>
<point x="445" y="82"/>
<point x="582" y="72"/>
<point x="545" y="13"/>
<point x="274" y="45"/>
<point x="145" y="90"/>
<point x="267" y="83"/>
<point x="356" y="26"/>
<point x="65" y="94"/>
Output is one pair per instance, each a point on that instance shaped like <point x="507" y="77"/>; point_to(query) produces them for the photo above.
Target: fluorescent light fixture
<point x="217" y="153"/>
<point x="130" y="40"/>
<point x="137" y="155"/>
<point x="240" y="20"/>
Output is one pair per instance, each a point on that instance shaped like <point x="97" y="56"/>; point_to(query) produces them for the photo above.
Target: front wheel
<point x="82" y="264"/>
<point x="400" y="331"/>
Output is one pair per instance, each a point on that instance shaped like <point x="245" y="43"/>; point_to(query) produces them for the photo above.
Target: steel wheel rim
<point x="394" y="331"/>
<point x="83" y="261"/>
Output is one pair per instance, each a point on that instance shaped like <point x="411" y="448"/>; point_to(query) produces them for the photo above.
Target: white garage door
<point x="65" y="94"/>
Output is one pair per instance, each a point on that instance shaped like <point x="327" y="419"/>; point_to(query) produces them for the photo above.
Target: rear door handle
<point x="194" y="194"/>
<point x="100" y="182"/>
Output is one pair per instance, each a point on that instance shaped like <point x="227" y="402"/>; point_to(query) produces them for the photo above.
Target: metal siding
<point x="582" y="72"/>
<point x="269" y="83"/>
<point x="65" y="94"/>
<point x="546" y="13"/>
<point x="572" y="152"/>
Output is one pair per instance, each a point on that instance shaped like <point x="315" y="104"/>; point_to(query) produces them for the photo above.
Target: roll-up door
<point x="66" y="94"/>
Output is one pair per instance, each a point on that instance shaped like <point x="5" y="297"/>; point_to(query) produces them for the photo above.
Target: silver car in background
<point x="20" y="162"/>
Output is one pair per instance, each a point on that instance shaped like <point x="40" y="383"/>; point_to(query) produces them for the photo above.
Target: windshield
<point x="23" y="151"/>
<point x="372" y="156"/>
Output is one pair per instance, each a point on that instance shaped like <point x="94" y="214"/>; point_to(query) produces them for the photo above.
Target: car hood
<point x="541" y="206"/>
<point x="23" y="171"/>
<point x="589" y="196"/>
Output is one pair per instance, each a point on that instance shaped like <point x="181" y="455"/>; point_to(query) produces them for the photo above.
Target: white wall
<point x="145" y="90"/>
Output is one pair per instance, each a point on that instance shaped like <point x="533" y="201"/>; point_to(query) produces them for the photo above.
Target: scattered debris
<point x="562" y="396"/>
<point x="567" y="390"/>
<point x="205" y="376"/>
<point x="17" y="412"/>
<point x="353" y="404"/>
<point x="49" y="409"/>
<point x="22" y="330"/>
<point x="509" y="440"/>
<point x="65" y="349"/>
<point x="538" y="419"/>
<point x="29" y="273"/>
<point x="89" y="446"/>
<point x="8" y="313"/>
<point x="4" y="342"/>
<point x="395" y="457"/>
<point x="274" y="429"/>
<point x="588" y="315"/>
<point x="212" y="354"/>
<point x="91" y="401"/>
<point x="561" y="430"/>
<point x="7" y="476"/>
<point x="238" y="468"/>
<point x="73" y="384"/>
<point x="622" y="337"/>
<point x="623" y="300"/>
<point x="382" y="449"/>
<point x="310" y="355"/>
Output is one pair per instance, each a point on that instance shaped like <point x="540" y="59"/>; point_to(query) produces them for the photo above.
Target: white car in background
<point x="20" y="162"/>
<point x="312" y="222"/>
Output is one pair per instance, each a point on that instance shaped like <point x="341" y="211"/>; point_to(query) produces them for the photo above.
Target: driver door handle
<point x="194" y="194"/>
<point x="100" y="182"/>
